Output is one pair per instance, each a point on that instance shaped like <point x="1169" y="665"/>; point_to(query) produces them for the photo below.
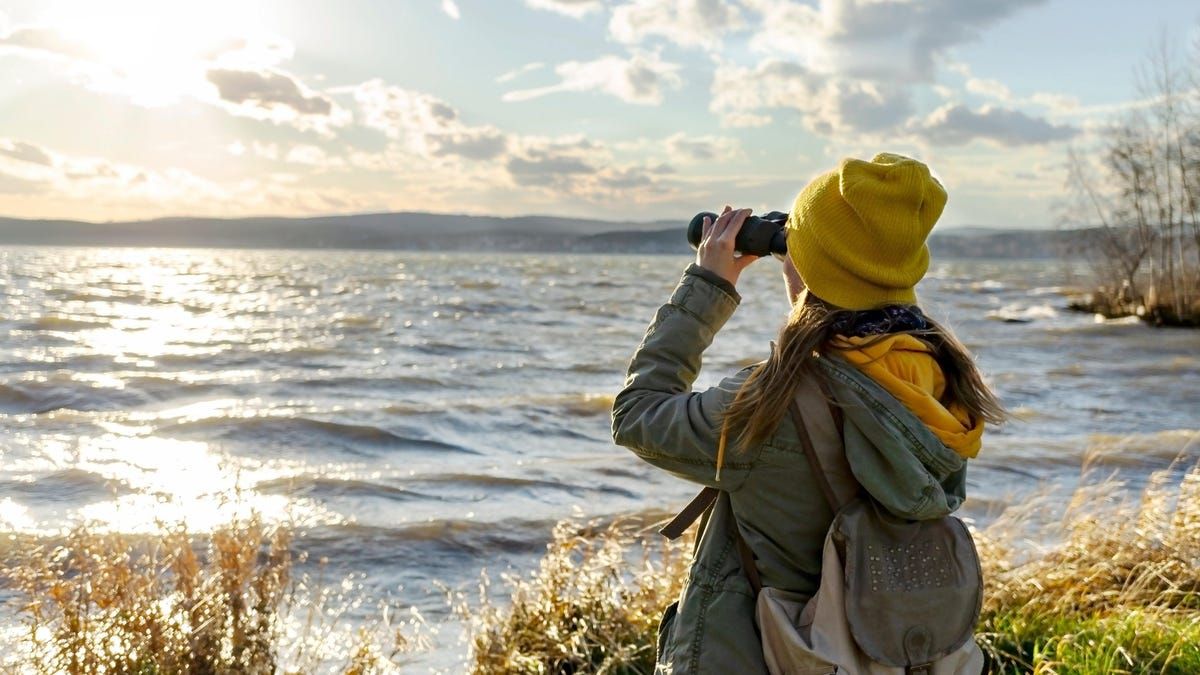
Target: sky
<point x="613" y="109"/>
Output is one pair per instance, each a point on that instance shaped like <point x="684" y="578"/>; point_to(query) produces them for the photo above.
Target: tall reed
<point x="171" y="602"/>
<point x="1111" y="586"/>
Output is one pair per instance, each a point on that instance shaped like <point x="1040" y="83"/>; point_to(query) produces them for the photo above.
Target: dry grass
<point x="174" y="603"/>
<point x="1113" y="586"/>
<point x="1114" y="591"/>
<point x="1117" y="592"/>
<point x="592" y="606"/>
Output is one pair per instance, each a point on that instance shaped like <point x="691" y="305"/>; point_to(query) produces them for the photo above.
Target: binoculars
<point x="760" y="235"/>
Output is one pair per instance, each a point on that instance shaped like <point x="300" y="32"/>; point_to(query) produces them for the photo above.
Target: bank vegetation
<point x="1141" y="184"/>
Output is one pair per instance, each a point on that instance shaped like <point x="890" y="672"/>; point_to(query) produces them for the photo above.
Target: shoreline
<point x="1119" y="576"/>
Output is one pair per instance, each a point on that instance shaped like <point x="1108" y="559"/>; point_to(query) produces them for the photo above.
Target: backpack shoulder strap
<point x="688" y="515"/>
<point x="695" y="508"/>
<point x="814" y="414"/>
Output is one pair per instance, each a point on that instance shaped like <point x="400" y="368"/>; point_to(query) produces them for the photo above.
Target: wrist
<point x="715" y="279"/>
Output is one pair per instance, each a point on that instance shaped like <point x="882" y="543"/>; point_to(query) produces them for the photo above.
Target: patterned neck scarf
<point x="889" y="319"/>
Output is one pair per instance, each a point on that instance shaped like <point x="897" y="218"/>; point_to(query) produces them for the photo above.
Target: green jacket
<point x="780" y="510"/>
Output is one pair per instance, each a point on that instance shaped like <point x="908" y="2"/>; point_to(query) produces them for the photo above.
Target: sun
<point x="152" y="51"/>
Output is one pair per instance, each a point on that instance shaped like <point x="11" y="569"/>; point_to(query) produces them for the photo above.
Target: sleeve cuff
<point x="714" y="279"/>
<point x="704" y="298"/>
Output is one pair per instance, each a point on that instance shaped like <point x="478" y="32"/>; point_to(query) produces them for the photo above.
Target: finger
<point x="730" y="232"/>
<point x="705" y="229"/>
<point x="723" y="221"/>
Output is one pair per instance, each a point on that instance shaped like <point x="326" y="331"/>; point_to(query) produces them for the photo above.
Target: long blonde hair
<point x="763" y="399"/>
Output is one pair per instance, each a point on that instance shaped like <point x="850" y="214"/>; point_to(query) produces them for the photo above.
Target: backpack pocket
<point x="913" y="589"/>
<point x="785" y="624"/>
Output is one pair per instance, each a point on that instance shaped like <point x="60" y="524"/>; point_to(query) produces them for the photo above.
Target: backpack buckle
<point x="919" y="669"/>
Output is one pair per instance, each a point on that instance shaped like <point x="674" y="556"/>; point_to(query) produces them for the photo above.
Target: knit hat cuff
<point x="835" y="284"/>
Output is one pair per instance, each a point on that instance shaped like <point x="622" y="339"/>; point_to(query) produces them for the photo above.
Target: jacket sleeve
<point x="657" y="415"/>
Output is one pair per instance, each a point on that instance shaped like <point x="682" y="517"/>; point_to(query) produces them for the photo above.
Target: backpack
<point x="896" y="597"/>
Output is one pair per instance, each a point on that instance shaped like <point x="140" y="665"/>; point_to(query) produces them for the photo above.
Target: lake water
<point x="421" y="415"/>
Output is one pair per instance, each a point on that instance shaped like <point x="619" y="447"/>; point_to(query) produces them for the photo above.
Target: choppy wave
<point x="18" y="399"/>
<point x="1032" y="457"/>
<point x="322" y="487"/>
<point x="107" y="295"/>
<point x="572" y="405"/>
<point x="495" y="483"/>
<point x="463" y="535"/>
<point x="456" y="405"/>
<point x="1019" y="313"/>
<point x="307" y="432"/>
<point x="64" y="486"/>
<point x="60" y="324"/>
<point x="61" y="392"/>
<point x="356" y="321"/>
<point x="406" y="383"/>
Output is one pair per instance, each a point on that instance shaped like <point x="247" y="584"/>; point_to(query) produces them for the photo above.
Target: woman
<point x="911" y="402"/>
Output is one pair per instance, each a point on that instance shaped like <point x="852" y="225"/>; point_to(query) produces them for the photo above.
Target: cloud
<point x="576" y="9"/>
<point x="1060" y="104"/>
<point x="846" y="107"/>
<point x="303" y="154"/>
<point x="242" y="68"/>
<point x="471" y="143"/>
<point x="277" y="97"/>
<point x="25" y="152"/>
<point x="639" y="79"/>
<point x="268" y="90"/>
<point x="738" y="93"/>
<point x="1055" y="103"/>
<point x="424" y="124"/>
<point x="575" y="167"/>
<point x="429" y="133"/>
<point x="684" y="149"/>
<point x="450" y="7"/>
<point x="148" y="73"/>
<point x="96" y="188"/>
<point x="251" y="52"/>
<point x="546" y="170"/>
<point x="44" y="40"/>
<point x="956" y="124"/>
<point x="850" y="68"/>
<point x="517" y="72"/>
<point x="13" y="185"/>
<point x="993" y="89"/>
<point x="688" y="23"/>
<point x="880" y="40"/>
<point x="827" y="105"/>
<point x="98" y="179"/>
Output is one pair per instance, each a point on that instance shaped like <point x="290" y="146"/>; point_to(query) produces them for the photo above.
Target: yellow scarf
<point x="906" y="369"/>
<point x="904" y="366"/>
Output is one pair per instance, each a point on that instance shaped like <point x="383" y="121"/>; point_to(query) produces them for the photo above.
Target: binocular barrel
<point x="760" y="235"/>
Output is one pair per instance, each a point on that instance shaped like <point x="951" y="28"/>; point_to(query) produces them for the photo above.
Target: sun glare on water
<point x="153" y="315"/>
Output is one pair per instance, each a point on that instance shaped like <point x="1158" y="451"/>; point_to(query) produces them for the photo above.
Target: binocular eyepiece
<point x="760" y="235"/>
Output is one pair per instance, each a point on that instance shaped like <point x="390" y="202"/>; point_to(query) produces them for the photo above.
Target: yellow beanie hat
<point x="857" y="234"/>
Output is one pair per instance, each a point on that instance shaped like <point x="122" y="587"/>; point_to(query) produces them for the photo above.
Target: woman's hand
<point x="715" y="252"/>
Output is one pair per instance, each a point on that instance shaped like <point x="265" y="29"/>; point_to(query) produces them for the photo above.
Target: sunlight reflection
<point x="14" y="517"/>
<point x="160" y="480"/>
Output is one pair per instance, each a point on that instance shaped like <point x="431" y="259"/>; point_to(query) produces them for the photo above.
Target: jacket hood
<point x="906" y="367"/>
<point x="895" y="455"/>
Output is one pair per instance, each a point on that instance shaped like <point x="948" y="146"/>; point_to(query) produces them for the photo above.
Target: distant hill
<point x="952" y="243"/>
<point x="428" y="231"/>
<point x="374" y="230"/>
